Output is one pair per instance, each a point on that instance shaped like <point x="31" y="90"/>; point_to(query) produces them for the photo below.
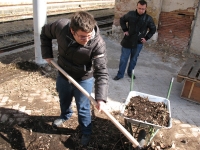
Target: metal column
<point x="39" y="19"/>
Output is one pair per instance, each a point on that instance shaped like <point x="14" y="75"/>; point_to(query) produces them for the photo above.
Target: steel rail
<point x="13" y="33"/>
<point x="15" y="46"/>
<point x="106" y="23"/>
<point x="101" y="21"/>
<point x="29" y="16"/>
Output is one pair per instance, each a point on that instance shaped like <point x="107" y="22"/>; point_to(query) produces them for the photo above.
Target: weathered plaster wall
<point x="195" y="44"/>
<point x="171" y="5"/>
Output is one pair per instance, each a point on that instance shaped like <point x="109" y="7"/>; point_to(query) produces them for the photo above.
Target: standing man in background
<point x="135" y="25"/>
<point x="82" y="55"/>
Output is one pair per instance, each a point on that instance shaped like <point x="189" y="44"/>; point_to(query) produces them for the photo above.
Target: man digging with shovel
<point x="82" y="55"/>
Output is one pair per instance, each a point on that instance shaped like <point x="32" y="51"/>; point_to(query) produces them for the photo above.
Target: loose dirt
<point x="141" y="108"/>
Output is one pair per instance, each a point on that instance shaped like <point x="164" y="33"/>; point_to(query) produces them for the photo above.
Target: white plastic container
<point x="151" y="98"/>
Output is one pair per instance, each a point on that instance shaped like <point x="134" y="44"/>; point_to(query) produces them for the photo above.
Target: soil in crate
<point x="142" y="109"/>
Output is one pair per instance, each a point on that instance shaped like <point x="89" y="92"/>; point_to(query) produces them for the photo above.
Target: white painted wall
<point x="195" y="44"/>
<point x="170" y="5"/>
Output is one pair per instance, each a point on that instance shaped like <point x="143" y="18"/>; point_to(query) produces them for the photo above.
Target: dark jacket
<point x="80" y="62"/>
<point x="137" y="26"/>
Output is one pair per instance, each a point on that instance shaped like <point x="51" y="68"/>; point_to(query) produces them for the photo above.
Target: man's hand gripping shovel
<point x="113" y="120"/>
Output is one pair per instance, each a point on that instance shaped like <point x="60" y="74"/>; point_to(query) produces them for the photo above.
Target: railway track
<point x="13" y="33"/>
<point x="16" y="10"/>
<point x="104" y="23"/>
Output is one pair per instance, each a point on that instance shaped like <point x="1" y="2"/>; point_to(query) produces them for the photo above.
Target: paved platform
<point x="153" y="77"/>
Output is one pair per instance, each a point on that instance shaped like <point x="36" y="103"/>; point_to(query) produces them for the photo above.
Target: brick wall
<point x="174" y="28"/>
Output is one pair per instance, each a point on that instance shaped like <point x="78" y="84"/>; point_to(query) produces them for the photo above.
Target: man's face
<point x="141" y="8"/>
<point x="81" y="37"/>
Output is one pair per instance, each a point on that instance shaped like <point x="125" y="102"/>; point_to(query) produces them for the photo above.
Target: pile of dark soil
<point x="140" y="108"/>
<point x="27" y="66"/>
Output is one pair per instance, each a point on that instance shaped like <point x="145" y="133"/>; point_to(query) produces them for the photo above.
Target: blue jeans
<point x="133" y="53"/>
<point x="66" y="91"/>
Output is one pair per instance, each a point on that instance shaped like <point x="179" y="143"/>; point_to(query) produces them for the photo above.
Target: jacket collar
<point x="139" y="14"/>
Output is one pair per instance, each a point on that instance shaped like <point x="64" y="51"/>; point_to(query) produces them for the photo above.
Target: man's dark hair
<point x="82" y="21"/>
<point x="142" y="2"/>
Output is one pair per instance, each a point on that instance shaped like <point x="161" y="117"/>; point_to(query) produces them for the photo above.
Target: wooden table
<point x="190" y="74"/>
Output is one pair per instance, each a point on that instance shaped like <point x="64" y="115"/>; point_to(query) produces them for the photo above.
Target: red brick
<point x="175" y="29"/>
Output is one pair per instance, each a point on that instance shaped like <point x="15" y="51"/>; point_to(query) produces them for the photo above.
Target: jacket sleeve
<point x="152" y="28"/>
<point x="49" y="32"/>
<point x="100" y="71"/>
<point x="123" y="20"/>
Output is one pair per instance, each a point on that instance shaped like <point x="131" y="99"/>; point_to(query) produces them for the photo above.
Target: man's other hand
<point x="100" y="105"/>
<point x="49" y="60"/>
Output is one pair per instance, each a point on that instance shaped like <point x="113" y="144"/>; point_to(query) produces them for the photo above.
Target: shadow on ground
<point x="36" y="132"/>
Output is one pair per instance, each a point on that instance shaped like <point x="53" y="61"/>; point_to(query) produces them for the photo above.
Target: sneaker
<point x="85" y="139"/>
<point x="58" y="122"/>
<point x="116" y="78"/>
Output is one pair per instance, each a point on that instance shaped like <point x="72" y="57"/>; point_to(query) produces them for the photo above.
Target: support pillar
<point x="39" y="20"/>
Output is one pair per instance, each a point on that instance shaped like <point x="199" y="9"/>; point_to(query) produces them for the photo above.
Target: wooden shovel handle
<point x="113" y="120"/>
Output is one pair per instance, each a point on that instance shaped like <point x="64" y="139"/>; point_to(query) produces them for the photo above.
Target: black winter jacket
<point x="137" y="26"/>
<point x="80" y="62"/>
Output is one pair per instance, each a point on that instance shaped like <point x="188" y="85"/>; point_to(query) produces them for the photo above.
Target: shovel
<point x="113" y="120"/>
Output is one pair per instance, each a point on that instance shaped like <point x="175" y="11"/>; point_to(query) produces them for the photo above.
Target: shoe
<point x="85" y="139"/>
<point x="116" y="78"/>
<point x="133" y="76"/>
<point x="58" y="122"/>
